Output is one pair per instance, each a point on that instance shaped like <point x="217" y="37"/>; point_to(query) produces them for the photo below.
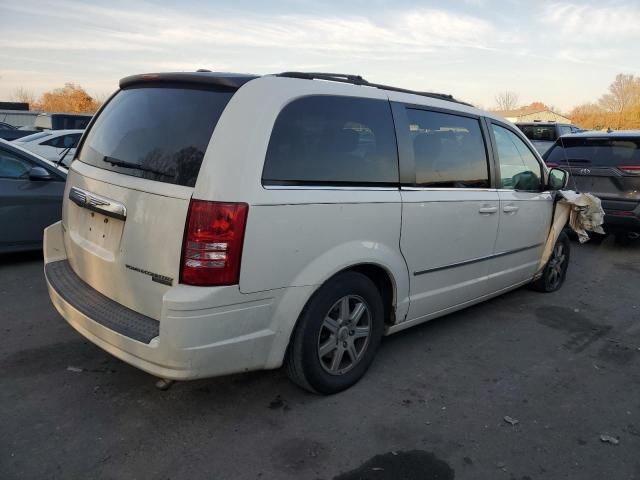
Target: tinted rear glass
<point x="332" y="140"/>
<point x="448" y="149"/>
<point x="595" y="151"/>
<point x="539" y="132"/>
<point x="157" y="133"/>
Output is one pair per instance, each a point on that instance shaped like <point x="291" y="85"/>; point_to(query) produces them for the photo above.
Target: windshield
<point x="157" y="133"/>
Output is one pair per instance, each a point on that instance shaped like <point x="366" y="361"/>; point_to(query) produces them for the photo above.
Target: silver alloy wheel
<point x="556" y="265"/>
<point x="344" y="335"/>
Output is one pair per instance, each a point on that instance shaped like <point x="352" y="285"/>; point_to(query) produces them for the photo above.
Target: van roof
<point x="236" y="80"/>
<point x="358" y="80"/>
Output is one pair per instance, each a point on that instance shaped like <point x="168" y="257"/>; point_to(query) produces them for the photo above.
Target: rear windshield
<point x="545" y="133"/>
<point x="597" y="152"/>
<point x="156" y="133"/>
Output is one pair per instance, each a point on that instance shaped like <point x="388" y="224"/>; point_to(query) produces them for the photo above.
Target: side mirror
<point x="39" y="173"/>
<point x="558" y="179"/>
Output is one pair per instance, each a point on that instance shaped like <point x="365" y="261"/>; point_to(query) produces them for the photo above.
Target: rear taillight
<point x="212" y="246"/>
<point x="552" y="165"/>
<point x="631" y="169"/>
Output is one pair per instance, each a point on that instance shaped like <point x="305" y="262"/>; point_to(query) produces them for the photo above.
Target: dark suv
<point x="607" y="165"/>
<point x="543" y="134"/>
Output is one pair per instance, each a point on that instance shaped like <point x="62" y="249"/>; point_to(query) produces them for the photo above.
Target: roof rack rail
<point x="358" y="80"/>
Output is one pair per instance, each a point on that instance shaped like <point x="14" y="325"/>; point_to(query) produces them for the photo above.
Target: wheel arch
<point x="385" y="281"/>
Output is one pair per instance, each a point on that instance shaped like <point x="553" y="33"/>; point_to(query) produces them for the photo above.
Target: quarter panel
<point x="305" y="244"/>
<point x="232" y="167"/>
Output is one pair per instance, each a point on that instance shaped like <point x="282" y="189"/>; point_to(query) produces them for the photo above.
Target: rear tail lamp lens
<point x="212" y="247"/>
<point x="630" y="169"/>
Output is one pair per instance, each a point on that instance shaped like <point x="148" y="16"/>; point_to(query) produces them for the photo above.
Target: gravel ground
<point x="562" y="368"/>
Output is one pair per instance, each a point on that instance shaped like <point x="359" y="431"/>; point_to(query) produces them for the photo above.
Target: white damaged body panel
<point x="582" y="211"/>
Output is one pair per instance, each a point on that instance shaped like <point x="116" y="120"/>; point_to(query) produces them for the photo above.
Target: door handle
<point x="510" y="209"/>
<point x="487" y="210"/>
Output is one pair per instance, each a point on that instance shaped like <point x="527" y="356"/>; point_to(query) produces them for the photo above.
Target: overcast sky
<point x="560" y="53"/>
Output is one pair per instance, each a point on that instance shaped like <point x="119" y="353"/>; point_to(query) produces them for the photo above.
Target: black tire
<point x="303" y="361"/>
<point x="597" y="238"/>
<point x="555" y="271"/>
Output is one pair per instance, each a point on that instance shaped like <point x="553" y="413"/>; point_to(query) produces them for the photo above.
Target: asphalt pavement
<point x="526" y="386"/>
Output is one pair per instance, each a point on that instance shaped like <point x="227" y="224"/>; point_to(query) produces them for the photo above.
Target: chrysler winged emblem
<point x="97" y="203"/>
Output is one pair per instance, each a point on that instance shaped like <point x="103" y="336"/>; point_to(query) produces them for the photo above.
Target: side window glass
<point x="449" y="150"/>
<point x="519" y="168"/>
<point x="332" y="140"/>
<point x="12" y="166"/>
<point x="70" y="140"/>
<point x="54" y="142"/>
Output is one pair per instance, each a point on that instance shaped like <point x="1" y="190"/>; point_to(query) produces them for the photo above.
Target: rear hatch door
<point x="128" y="192"/>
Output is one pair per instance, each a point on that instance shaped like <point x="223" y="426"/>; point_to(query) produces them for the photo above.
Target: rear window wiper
<point x="135" y="166"/>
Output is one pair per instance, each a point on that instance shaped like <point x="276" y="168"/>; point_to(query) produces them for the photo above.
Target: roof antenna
<point x="203" y="70"/>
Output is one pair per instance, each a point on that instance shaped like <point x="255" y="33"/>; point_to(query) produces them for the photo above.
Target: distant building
<point x="528" y="115"/>
<point x="18" y="118"/>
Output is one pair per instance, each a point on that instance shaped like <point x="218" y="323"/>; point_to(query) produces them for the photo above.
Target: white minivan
<point x="219" y="223"/>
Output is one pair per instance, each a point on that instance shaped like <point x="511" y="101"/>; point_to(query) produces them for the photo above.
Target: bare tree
<point x="624" y="93"/>
<point x="21" y="94"/>
<point x="100" y="98"/>
<point x="507" y="100"/>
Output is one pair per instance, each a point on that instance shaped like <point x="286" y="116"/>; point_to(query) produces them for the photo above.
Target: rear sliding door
<point x="449" y="209"/>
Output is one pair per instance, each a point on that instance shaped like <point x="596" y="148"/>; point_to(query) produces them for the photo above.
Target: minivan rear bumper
<point x="203" y="332"/>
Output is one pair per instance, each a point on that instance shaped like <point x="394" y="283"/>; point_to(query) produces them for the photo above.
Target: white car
<point x="52" y="144"/>
<point x="221" y="223"/>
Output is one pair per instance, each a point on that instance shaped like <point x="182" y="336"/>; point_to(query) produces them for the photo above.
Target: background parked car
<point x="543" y="134"/>
<point x="607" y="165"/>
<point x="44" y="121"/>
<point x="61" y="121"/>
<point x="52" y="144"/>
<point x="31" y="190"/>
